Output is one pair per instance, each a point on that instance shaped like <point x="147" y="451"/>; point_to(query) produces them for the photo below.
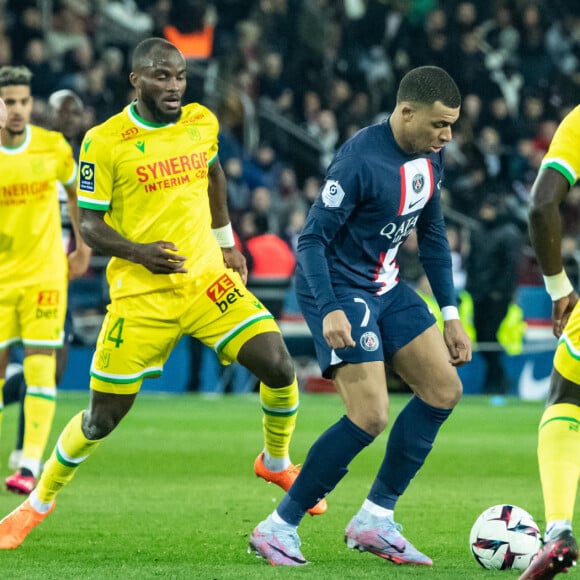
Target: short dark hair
<point x="428" y="84"/>
<point x="145" y="47"/>
<point x="15" y="75"/>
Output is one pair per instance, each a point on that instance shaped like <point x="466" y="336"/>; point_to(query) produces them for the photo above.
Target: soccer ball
<point x="504" y="537"/>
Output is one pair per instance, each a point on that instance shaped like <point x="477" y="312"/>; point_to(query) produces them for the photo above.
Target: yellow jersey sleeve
<point x="563" y="155"/>
<point x="152" y="183"/>
<point x="31" y="247"/>
<point x="95" y="157"/>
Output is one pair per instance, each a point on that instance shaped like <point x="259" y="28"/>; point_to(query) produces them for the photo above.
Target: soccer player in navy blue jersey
<point x="383" y="182"/>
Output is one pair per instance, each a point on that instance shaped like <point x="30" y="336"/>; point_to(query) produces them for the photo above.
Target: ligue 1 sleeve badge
<point x="87" y="177"/>
<point x="332" y="193"/>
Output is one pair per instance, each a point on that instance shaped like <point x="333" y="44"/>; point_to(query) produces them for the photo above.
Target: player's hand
<point x="561" y="310"/>
<point x="235" y="260"/>
<point x="79" y="261"/>
<point x="458" y="343"/>
<point x="159" y="258"/>
<point x="336" y="330"/>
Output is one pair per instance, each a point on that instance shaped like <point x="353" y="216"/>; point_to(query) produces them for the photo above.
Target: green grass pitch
<point x="172" y="494"/>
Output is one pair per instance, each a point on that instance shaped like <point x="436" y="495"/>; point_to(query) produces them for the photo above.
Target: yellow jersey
<point x="152" y="182"/>
<point x="563" y="155"/>
<point x="31" y="249"/>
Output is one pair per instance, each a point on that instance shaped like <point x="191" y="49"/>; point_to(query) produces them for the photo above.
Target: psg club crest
<point x="418" y="183"/>
<point x="369" y="341"/>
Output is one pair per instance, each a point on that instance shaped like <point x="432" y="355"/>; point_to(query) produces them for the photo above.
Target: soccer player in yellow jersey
<point x="33" y="264"/>
<point x="559" y="429"/>
<point x="153" y="196"/>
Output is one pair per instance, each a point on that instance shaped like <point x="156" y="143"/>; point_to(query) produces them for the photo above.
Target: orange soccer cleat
<point x="18" y="524"/>
<point x="285" y="479"/>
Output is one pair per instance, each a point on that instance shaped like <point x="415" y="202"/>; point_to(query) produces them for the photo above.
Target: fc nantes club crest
<point x="194" y="134"/>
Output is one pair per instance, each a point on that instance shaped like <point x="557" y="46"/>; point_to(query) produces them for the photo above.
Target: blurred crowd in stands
<point x="290" y="80"/>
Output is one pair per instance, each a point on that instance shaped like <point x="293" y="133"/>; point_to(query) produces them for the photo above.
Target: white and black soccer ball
<point x="504" y="537"/>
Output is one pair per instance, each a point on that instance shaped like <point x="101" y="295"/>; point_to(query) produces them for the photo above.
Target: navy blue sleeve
<point x="338" y="198"/>
<point x="434" y="252"/>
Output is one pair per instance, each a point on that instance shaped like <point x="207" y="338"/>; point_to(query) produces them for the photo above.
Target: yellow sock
<point x="72" y="448"/>
<point x="280" y="407"/>
<point x="559" y="459"/>
<point x="39" y="406"/>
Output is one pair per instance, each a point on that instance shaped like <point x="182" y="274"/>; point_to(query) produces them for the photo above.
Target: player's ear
<point x="133" y="79"/>
<point x="407" y="111"/>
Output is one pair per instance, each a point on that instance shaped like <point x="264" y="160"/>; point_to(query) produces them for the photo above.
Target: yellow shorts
<point x="139" y="332"/>
<point x="33" y="314"/>
<point x="567" y="357"/>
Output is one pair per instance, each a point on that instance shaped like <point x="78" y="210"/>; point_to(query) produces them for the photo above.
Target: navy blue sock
<point x="14" y="392"/>
<point x="325" y="465"/>
<point x="410" y="442"/>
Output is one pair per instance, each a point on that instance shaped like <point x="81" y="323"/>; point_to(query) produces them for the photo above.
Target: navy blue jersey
<point x="373" y="196"/>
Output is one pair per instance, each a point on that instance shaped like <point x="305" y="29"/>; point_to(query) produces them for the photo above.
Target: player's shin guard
<point x="409" y="443"/>
<point x="280" y="408"/>
<point x="559" y="459"/>
<point x="72" y="448"/>
<point x="39" y="408"/>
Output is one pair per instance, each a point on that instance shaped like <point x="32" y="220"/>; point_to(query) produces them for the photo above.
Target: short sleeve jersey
<point x="31" y="249"/>
<point x="152" y="182"/>
<point x="564" y="152"/>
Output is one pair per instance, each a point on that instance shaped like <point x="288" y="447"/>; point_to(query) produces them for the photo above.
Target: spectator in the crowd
<point x="535" y="62"/>
<point x="492" y="275"/>
<point x="498" y="115"/>
<point x="494" y="156"/>
<point x="264" y="168"/>
<point x="261" y="207"/>
<point x="325" y="131"/>
<point x="45" y="78"/>
<point x="272" y="85"/>
<point x="311" y="188"/>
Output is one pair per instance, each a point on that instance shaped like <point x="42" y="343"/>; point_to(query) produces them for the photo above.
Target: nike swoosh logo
<point x="293" y="558"/>
<point x="530" y="388"/>
<point x="396" y="548"/>
<point x="412" y="205"/>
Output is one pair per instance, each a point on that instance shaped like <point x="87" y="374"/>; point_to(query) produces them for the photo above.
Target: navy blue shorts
<point x="381" y="325"/>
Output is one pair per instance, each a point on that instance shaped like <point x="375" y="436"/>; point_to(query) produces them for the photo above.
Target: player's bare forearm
<point x="158" y="257"/>
<point x="218" y="196"/>
<point x="545" y="222"/>
<point x="73" y="211"/>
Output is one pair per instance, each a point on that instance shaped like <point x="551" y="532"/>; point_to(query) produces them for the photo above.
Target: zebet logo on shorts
<point x="223" y="292"/>
<point x="47" y="304"/>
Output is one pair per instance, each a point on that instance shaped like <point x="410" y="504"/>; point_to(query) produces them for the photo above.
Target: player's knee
<point x="373" y="421"/>
<point x="269" y="360"/>
<point x="278" y="370"/>
<point x="562" y="391"/>
<point x="449" y="395"/>
<point x="373" y="425"/>
<point x="98" y="424"/>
